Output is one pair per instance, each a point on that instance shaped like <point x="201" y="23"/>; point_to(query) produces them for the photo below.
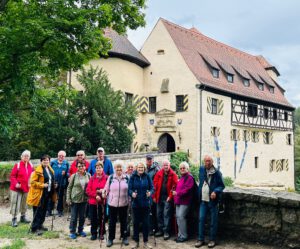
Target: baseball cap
<point x="149" y="156"/>
<point x="100" y="149"/>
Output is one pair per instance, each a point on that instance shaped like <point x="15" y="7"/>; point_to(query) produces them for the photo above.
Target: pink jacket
<point x="94" y="184"/>
<point x="21" y="176"/>
<point x="117" y="190"/>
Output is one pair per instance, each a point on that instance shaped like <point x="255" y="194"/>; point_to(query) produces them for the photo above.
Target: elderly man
<point x="107" y="165"/>
<point x="61" y="173"/>
<point x="80" y="157"/>
<point x="210" y="188"/>
<point x="164" y="182"/>
<point x="152" y="169"/>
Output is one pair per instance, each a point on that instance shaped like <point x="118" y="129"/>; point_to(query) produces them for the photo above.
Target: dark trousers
<point x="97" y="219"/>
<point x="141" y="215"/>
<point x="114" y="212"/>
<point x="164" y="215"/>
<point x="77" y="213"/>
<point x="39" y="212"/>
<point x="153" y="227"/>
<point x="60" y="203"/>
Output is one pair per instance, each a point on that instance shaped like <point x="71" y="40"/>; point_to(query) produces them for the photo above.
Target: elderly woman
<point x="140" y="189"/>
<point x="77" y="198"/>
<point x="94" y="191"/>
<point x="130" y="168"/>
<point x="183" y="196"/>
<point x="80" y="157"/>
<point x="42" y="188"/>
<point x="19" y="187"/>
<point x="116" y="189"/>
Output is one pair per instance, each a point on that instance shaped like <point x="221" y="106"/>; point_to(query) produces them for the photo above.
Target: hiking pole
<point x="53" y="213"/>
<point x="175" y="221"/>
<point x="16" y="207"/>
<point x="151" y="214"/>
<point x="102" y="220"/>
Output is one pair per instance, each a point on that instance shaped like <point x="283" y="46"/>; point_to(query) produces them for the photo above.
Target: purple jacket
<point x="117" y="190"/>
<point x="184" y="190"/>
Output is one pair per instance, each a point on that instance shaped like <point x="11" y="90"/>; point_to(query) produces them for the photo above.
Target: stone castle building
<point x="199" y="95"/>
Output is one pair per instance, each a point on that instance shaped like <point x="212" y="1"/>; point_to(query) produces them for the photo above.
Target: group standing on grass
<point x="142" y="194"/>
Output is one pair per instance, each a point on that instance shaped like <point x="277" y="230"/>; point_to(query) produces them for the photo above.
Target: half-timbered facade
<point x="201" y="96"/>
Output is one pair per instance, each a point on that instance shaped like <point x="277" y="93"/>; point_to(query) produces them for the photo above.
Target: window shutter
<point x="271" y="137"/>
<point x="209" y="104"/>
<point x="212" y="131"/>
<point x="185" y="103"/>
<point x="265" y="137"/>
<point x="286" y="164"/>
<point x="218" y="131"/>
<point x="257" y="139"/>
<point x="136" y="100"/>
<point x="231" y="134"/>
<point x="136" y="147"/>
<point x="144" y="104"/>
<point x="220" y="106"/>
<point x="278" y="165"/>
<point x="248" y="136"/>
<point x="238" y="135"/>
<point x="271" y="165"/>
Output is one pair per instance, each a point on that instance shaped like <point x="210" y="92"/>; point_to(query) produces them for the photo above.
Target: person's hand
<point x="55" y="185"/>
<point x="174" y="193"/>
<point x="213" y="195"/>
<point x="148" y="193"/>
<point x="168" y="199"/>
<point x="68" y="203"/>
<point x="103" y="194"/>
<point x="46" y="185"/>
<point x="18" y="185"/>
<point x="63" y="172"/>
<point x="99" y="191"/>
<point x="134" y="195"/>
<point x="154" y="199"/>
<point x="98" y="198"/>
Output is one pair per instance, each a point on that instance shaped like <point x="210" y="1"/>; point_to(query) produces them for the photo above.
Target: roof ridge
<point x="203" y="37"/>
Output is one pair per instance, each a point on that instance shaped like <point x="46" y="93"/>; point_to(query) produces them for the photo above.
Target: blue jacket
<point x="140" y="184"/>
<point x="107" y="166"/>
<point x="216" y="184"/>
<point x="59" y="178"/>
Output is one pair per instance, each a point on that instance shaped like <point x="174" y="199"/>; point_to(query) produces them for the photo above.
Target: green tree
<point x="43" y="38"/>
<point x="103" y="113"/>
<point x="297" y="116"/>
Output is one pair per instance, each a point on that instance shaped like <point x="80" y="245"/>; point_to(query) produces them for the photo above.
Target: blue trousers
<point x="212" y="208"/>
<point x="141" y="215"/>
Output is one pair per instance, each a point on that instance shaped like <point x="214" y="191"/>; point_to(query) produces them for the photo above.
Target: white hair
<point x="119" y="163"/>
<point x="62" y="152"/>
<point x="185" y="164"/>
<point x="80" y="152"/>
<point x="25" y="153"/>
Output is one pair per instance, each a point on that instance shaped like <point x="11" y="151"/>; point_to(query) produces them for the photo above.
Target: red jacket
<point x="21" y="176"/>
<point x="94" y="184"/>
<point x="73" y="168"/>
<point x="158" y="181"/>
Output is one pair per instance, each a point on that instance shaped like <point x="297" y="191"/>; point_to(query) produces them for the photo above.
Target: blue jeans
<point x="164" y="215"/>
<point x="206" y="207"/>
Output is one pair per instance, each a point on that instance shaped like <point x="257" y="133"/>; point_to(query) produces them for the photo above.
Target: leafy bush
<point x="298" y="184"/>
<point x="16" y="244"/>
<point x="228" y="181"/>
<point x="5" y="169"/>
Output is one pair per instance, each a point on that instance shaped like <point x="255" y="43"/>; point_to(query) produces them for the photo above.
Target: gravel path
<point x="61" y="224"/>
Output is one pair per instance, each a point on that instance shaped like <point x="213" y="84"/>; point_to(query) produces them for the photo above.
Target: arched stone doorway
<point x="166" y="143"/>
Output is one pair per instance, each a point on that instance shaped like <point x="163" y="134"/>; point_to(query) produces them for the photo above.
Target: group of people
<point x="143" y="194"/>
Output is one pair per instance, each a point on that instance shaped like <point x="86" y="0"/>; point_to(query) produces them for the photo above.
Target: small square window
<point x="214" y="106"/>
<point x="246" y="82"/>
<point x="128" y="98"/>
<point x="234" y="135"/>
<point x="179" y="103"/>
<point x="286" y="116"/>
<point x="252" y="110"/>
<point x="289" y="139"/>
<point x="215" y="73"/>
<point x="271" y="89"/>
<point x="230" y="78"/>
<point x="254" y="136"/>
<point x="267" y="138"/>
<point x="260" y="86"/>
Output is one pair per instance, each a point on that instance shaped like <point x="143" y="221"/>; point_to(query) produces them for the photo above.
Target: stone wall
<point x="262" y="216"/>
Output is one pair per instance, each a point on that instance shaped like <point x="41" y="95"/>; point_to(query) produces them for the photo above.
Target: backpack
<point x="111" y="179"/>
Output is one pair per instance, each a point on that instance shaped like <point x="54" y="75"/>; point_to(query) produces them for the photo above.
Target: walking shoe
<point x="158" y="234"/>
<point x="60" y="214"/>
<point x="72" y="236"/>
<point x="180" y="240"/>
<point x="211" y="244"/>
<point x="82" y="234"/>
<point x="42" y="228"/>
<point x="94" y="237"/>
<point x="125" y="242"/>
<point x="166" y="236"/>
<point x="147" y="246"/>
<point x="199" y="243"/>
<point x="109" y="243"/>
<point x="14" y="222"/>
<point x="136" y="245"/>
<point x="48" y="214"/>
<point x="23" y="219"/>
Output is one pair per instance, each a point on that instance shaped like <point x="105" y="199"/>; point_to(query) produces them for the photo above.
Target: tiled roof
<point x="122" y="48"/>
<point x="199" y="51"/>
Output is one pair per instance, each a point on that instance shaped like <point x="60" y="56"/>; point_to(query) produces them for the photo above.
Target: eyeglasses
<point x="79" y="166"/>
<point x="182" y="168"/>
<point x="61" y="155"/>
<point x="80" y="155"/>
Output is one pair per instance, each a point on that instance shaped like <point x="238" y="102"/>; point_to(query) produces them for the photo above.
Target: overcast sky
<point x="267" y="27"/>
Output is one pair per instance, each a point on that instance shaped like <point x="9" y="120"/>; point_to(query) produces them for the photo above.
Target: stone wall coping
<point x="274" y="198"/>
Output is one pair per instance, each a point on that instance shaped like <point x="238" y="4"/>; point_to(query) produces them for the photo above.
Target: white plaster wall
<point x="181" y="82"/>
<point x="249" y="174"/>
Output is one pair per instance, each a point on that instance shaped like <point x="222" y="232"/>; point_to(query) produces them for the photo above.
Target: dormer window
<point x="215" y="72"/>
<point x="271" y="89"/>
<point x="230" y="78"/>
<point x="261" y="86"/>
<point x="160" y="51"/>
<point x="246" y="82"/>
